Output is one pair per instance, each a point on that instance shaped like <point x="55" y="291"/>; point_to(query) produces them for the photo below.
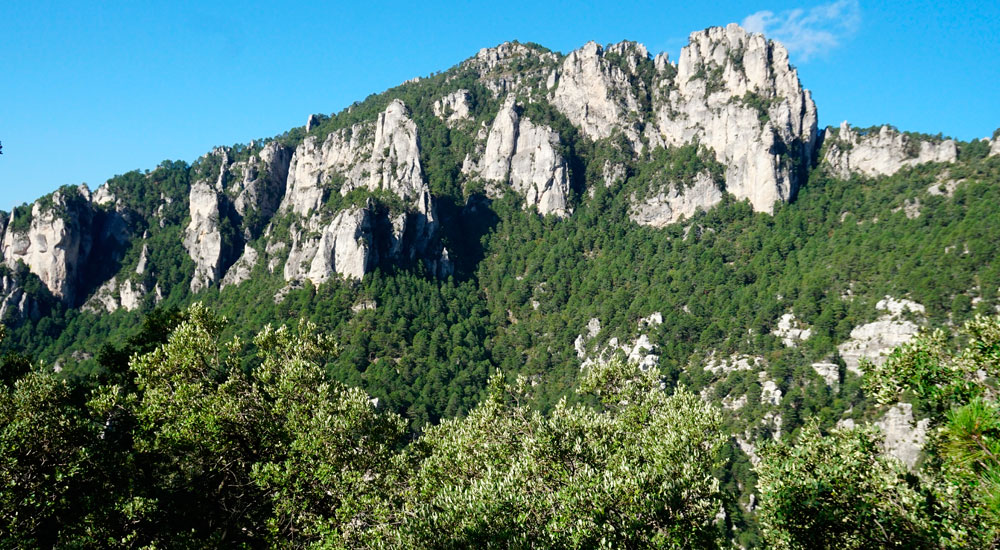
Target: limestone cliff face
<point x="733" y="91"/>
<point x="904" y="438"/>
<point x="881" y="153"/>
<point x="247" y="193"/>
<point x="736" y="93"/>
<point x="526" y="155"/>
<point x="203" y="236"/>
<point x="598" y="95"/>
<point x="55" y="244"/>
<point x="345" y="247"/>
<point x="667" y="207"/>
<point x="342" y="246"/>
<point x="395" y="167"/>
<point x="314" y="164"/>
<point x="454" y="107"/>
<point x="872" y="341"/>
<point x="128" y="294"/>
<point x="260" y="190"/>
<point x="382" y="155"/>
<point x="240" y="271"/>
<point x="15" y="303"/>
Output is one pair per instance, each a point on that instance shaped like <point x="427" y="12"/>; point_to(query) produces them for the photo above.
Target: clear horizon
<point x="99" y="91"/>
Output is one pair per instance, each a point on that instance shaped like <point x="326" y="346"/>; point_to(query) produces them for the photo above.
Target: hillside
<point x="534" y="213"/>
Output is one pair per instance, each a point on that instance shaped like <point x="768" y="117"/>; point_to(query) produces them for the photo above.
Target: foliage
<point x="676" y="169"/>
<point x="333" y="470"/>
<point x="934" y="373"/>
<point x="45" y="464"/>
<point x="635" y="473"/>
<point x="835" y="490"/>
<point x="758" y="103"/>
<point x="199" y="452"/>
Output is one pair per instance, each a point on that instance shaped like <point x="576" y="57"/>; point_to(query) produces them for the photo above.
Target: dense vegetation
<point x="185" y="446"/>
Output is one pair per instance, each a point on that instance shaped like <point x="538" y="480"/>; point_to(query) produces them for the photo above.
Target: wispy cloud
<point x="808" y="32"/>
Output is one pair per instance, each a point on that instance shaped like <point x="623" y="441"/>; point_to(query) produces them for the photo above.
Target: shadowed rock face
<point x="881" y="153"/>
<point x="243" y="190"/>
<point x="263" y="183"/>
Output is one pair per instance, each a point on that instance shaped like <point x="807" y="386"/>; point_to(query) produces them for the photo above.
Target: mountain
<point x="533" y="213"/>
<point x="534" y="210"/>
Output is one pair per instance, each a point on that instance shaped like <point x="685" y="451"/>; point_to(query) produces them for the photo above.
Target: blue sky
<point x="90" y="90"/>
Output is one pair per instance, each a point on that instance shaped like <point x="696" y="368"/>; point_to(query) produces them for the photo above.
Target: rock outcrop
<point x="246" y="193"/>
<point x="454" y="107"/>
<point x="55" y="243"/>
<point x="882" y="152"/>
<point x="203" y="235"/>
<point x="829" y="372"/>
<point x="511" y="67"/>
<point x="103" y="195"/>
<point x="874" y="340"/>
<point x="128" y="293"/>
<point x="341" y="247"/>
<point x="790" y="331"/>
<point x="904" y="438"/>
<point x="737" y="94"/>
<point x="314" y="165"/>
<point x="599" y="95"/>
<point x="112" y="295"/>
<point x="380" y="156"/>
<point x="639" y="350"/>
<point x="526" y="155"/>
<point x="667" y="207"/>
<point x="15" y="303"/>
<point x="262" y="186"/>
<point x="344" y="247"/>
<point x="240" y="271"/>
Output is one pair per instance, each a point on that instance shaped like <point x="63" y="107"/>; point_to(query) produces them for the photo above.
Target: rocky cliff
<point x="346" y="193"/>
<point x="599" y="90"/>
<point x="670" y="206"/>
<point x="382" y="156"/>
<point x="228" y="211"/>
<point x="881" y="152"/>
<point x="736" y="93"/>
<point x="526" y="156"/>
<point x="54" y="242"/>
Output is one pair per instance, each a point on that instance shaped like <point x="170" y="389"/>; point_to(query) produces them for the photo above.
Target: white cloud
<point x="807" y="33"/>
